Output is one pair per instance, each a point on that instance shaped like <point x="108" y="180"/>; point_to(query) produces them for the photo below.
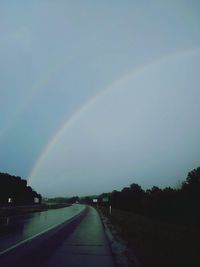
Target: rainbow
<point x="74" y="116"/>
<point x="35" y="89"/>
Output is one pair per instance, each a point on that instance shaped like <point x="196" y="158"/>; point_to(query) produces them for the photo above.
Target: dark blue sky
<point x="95" y="95"/>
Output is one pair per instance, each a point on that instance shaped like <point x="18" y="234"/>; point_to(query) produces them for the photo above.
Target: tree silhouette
<point x="14" y="190"/>
<point x="180" y="204"/>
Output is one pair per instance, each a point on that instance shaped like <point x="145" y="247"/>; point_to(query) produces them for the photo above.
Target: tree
<point x="192" y="185"/>
<point x="136" y="188"/>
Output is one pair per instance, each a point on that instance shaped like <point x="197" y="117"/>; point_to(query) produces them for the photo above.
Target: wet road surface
<point x="86" y="246"/>
<point x="81" y="242"/>
<point x="17" y="229"/>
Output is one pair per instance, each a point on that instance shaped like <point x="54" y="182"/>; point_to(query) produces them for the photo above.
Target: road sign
<point x="105" y="199"/>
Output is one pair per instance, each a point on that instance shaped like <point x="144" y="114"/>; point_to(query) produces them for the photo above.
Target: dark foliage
<point x="16" y="189"/>
<point x="177" y="205"/>
<point x="63" y="200"/>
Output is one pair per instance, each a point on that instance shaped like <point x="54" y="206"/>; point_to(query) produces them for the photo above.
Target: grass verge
<point x="157" y="243"/>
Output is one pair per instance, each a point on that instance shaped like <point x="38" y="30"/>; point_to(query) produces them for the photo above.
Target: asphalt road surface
<point x="75" y="242"/>
<point x="15" y="230"/>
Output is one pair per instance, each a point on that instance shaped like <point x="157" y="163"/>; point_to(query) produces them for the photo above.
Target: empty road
<point x="72" y="236"/>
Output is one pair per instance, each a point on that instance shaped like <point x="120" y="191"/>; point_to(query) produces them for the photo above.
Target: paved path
<point x="80" y="243"/>
<point x="86" y="246"/>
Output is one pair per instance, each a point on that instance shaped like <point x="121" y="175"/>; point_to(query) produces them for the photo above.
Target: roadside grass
<point x="157" y="243"/>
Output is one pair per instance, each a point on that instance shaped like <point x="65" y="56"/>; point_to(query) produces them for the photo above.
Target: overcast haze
<point x="96" y="95"/>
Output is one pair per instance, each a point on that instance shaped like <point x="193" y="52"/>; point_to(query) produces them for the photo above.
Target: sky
<point x="96" y="95"/>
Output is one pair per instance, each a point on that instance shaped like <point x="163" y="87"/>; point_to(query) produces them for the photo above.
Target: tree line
<point x="14" y="191"/>
<point x="181" y="204"/>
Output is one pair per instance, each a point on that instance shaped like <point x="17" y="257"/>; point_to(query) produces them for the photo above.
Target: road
<point x="73" y="240"/>
<point x="17" y="229"/>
